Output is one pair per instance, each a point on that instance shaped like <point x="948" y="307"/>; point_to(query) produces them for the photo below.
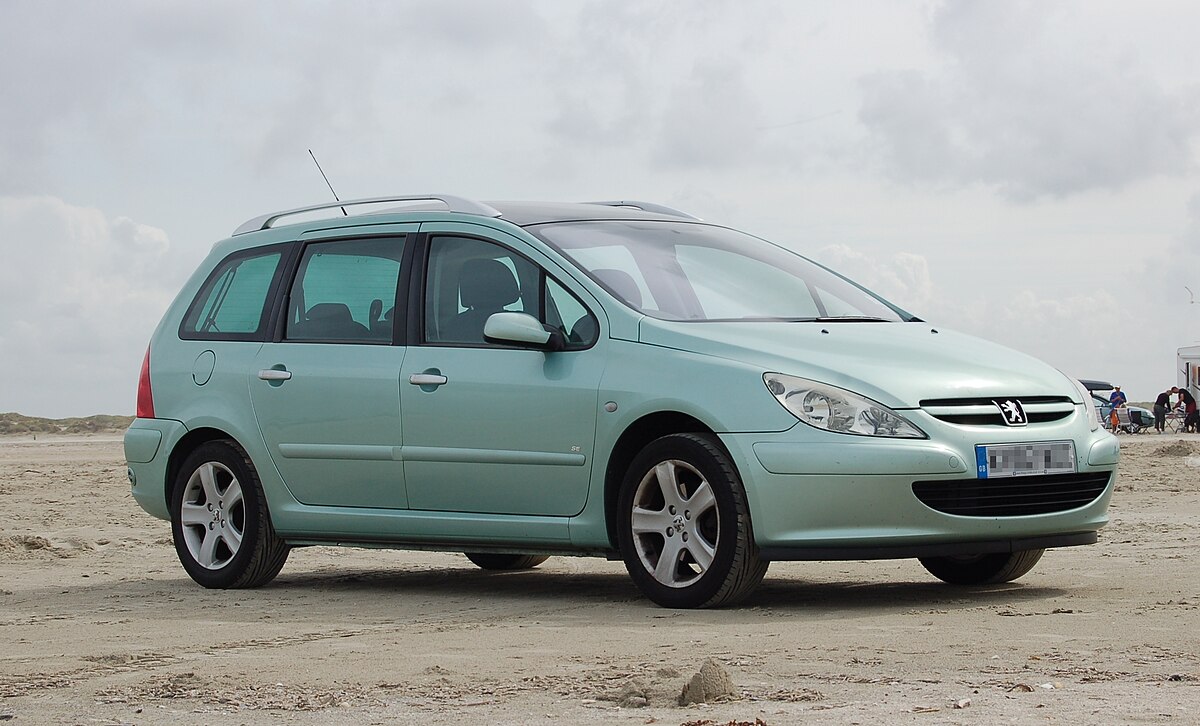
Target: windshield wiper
<point x="823" y="319"/>
<point x="849" y="319"/>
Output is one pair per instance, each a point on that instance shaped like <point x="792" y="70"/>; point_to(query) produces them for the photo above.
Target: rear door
<point x="326" y="390"/>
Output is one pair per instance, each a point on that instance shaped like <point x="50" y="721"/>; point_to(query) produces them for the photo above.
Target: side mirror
<point x="522" y="329"/>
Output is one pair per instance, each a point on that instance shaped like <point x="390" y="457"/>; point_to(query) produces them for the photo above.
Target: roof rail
<point x="453" y="204"/>
<point x="648" y="207"/>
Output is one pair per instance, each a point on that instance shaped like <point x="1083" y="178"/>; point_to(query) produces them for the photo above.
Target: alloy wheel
<point x="675" y="523"/>
<point x="213" y="515"/>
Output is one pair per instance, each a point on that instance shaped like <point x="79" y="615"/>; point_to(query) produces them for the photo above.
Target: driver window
<point x="468" y="280"/>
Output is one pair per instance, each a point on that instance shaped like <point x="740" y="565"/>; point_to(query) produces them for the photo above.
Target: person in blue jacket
<point x="1117" y="399"/>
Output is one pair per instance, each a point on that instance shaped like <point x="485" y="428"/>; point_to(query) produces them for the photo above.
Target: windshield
<point x="686" y="271"/>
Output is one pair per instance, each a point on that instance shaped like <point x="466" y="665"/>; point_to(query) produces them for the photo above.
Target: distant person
<point x="1117" y="399"/>
<point x="1191" y="419"/>
<point x="1162" y="406"/>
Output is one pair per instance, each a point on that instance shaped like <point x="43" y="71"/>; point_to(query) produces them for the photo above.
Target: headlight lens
<point x="1089" y="404"/>
<point x="836" y="409"/>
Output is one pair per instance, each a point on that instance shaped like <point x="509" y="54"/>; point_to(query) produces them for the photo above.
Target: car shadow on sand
<point x="783" y="591"/>
<point x="333" y="593"/>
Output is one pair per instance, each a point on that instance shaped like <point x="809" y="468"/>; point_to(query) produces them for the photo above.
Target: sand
<point x="99" y="625"/>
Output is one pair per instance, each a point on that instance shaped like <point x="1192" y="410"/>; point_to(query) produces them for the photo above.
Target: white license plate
<point x="1045" y="457"/>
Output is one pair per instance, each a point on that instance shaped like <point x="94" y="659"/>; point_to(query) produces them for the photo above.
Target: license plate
<point x="1047" y="457"/>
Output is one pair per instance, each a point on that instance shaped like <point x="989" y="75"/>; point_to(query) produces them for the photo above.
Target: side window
<point x="231" y="304"/>
<point x="467" y="280"/>
<point x="345" y="291"/>
<point x="565" y="312"/>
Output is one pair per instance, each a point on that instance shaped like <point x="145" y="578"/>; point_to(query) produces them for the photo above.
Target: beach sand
<point x="99" y="624"/>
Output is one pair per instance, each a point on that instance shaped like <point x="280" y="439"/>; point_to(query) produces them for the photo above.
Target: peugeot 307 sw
<point x="519" y="380"/>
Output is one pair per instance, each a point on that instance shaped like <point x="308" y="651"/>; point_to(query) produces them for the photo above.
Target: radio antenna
<point x="336" y="198"/>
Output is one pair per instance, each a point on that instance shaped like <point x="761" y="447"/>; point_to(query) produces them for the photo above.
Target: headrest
<point x="622" y="285"/>
<point x="487" y="284"/>
<point x="331" y="312"/>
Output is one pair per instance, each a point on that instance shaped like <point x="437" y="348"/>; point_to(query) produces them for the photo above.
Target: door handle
<point x="274" y="374"/>
<point x="426" y="379"/>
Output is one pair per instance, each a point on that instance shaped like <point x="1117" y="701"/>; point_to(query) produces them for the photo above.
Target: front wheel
<point x="684" y="526"/>
<point x="989" y="569"/>
<point x="219" y="519"/>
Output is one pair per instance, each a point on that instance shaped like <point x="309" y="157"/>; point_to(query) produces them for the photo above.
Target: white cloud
<point x="711" y="120"/>
<point x="80" y="294"/>
<point x="1033" y="100"/>
<point x="902" y="278"/>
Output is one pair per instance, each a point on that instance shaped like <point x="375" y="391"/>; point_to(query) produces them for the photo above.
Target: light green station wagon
<point x="615" y="379"/>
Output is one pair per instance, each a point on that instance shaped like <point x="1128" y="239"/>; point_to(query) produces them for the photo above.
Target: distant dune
<point x="15" y="423"/>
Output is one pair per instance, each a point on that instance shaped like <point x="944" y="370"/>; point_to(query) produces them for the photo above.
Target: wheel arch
<point x="635" y="437"/>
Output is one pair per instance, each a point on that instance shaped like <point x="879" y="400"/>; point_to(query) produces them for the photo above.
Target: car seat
<point x="485" y="286"/>
<point x="328" y="321"/>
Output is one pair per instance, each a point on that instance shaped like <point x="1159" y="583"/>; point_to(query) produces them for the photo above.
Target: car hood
<point x="896" y="364"/>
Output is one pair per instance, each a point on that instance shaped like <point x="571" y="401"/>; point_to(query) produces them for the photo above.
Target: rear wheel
<point x="987" y="569"/>
<point x="684" y="525"/>
<point x="492" y="561"/>
<point x="219" y="520"/>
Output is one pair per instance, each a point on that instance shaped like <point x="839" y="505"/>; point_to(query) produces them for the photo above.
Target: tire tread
<point x="989" y="569"/>
<point x="505" y="562"/>
<point x="272" y="552"/>
<point x="747" y="569"/>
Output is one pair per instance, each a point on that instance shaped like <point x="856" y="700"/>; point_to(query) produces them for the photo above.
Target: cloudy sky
<point x="1024" y="171"/>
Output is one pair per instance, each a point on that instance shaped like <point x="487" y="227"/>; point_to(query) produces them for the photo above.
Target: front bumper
<point x="818" y="495"/>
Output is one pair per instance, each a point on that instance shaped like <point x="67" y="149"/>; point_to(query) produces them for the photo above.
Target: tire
<point x="219" y="520"/>
<point x="989" y="569"/>
<point x="682" y="498"/>
<point x="493" y="561"/>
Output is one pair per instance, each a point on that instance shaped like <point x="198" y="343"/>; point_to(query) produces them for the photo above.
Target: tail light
<point x="145" y="397"/>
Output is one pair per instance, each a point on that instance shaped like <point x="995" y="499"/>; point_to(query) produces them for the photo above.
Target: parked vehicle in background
<point x="519" y="380"/>
<point x="1187" y="365"/>
<point x="1140" y="419"/>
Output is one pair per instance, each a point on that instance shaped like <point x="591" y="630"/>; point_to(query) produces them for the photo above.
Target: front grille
<point x="983" y="412"/>
<point x="1012" y="496"/>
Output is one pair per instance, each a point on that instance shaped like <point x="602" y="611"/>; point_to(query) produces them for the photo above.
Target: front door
<point x="494" y="428"/>
<point x="327" y="395"/>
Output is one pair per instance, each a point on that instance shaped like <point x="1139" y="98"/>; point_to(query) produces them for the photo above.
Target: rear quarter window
<point x="232" y="304"/>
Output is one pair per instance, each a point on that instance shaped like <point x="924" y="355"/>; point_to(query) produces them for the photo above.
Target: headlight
<point x="836" y="409"/>
<point x="1089" y="405"/>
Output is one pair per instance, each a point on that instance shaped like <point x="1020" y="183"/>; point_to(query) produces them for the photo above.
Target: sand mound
<point x="711" y="684"/>
<point x="23" y="543"/>
<point x="1178" y="448"/>
<point x="635" y="694"/>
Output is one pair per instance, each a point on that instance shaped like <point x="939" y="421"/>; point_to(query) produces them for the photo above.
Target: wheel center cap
<point x="679" y="522"/>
